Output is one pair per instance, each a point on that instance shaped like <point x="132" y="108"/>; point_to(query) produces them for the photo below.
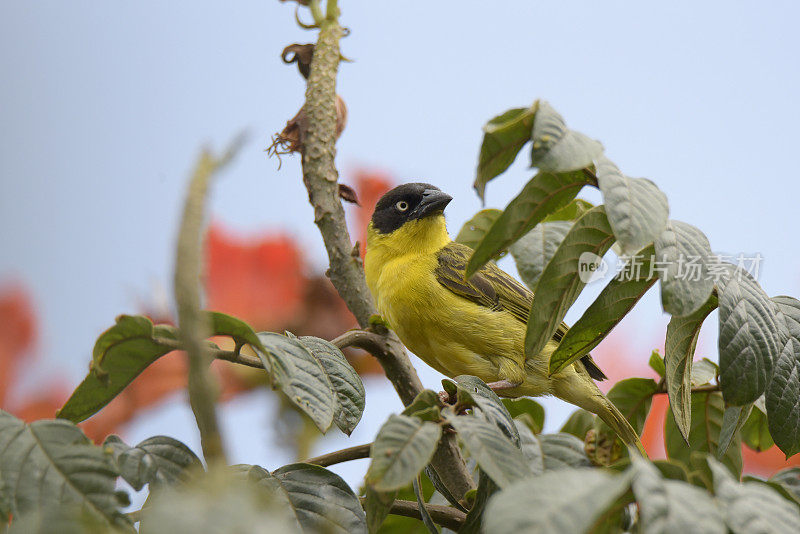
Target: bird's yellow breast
<point x="451" y="334"/>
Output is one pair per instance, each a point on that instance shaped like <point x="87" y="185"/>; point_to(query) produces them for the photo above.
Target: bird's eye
<point x="402" y="205"/>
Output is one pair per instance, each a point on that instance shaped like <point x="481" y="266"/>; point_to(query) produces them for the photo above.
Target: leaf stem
<point x="345" y="455"/>
<point x="699" y="389"/>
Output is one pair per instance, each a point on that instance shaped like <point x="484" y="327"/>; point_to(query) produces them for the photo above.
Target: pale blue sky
<point x="103" y="106"/>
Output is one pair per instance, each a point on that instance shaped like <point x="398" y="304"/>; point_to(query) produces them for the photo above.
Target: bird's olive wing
<point x="494" y="288"/>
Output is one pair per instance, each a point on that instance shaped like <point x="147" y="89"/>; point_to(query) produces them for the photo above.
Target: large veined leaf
<point x="562" y="451"/>
<point x="637" y="209"/>
<point x="543" y="195"/>
<point x="614" y="302"/>
<point x="156" y="460"/>
<point x="707" y="411"/>
<point x="783" y="392"/>
<point x="752" y="507"/>
<point x="561" y="281"/>
<point x="790" y="479"/>
<point x="228" y="500"/>
<point x="667" y="506"/>
<point x="578" y="424"/>
<point x="474" y="391"/>
<point x="301" y="377"/>
<point x="749" y="340"/>
<point x="733" y="419"/>
<point x="571" y="212"/>
<point x="315" y="498"/>
<point x="346" y="383"/>
<point x="755" y="432"/>
<point x="503" y="137"/>
<point x="556" y="148"/>
<point x="526" y="410"/>
<point x="475" y="229"/>
<point x="51" y="463"/>
<point x="494" y="452"/>
<point x="120" y="354"/>
<point x="559" y="501"/>
<point x="535" y="249"/>
<point x="633" y="397"/>
<point x="402" y="449"/>
<point x="531" y="448"/>
<point x="474" y="519"/>
<point x="682" y="253"/>
<point x="222" y="324"/>
<point x="682" y="333"/>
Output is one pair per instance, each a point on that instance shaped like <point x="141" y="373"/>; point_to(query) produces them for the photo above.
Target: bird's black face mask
<point x="408" y="202"/>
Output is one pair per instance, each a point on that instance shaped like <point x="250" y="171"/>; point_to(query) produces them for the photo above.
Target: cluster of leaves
<point x="550" y="233"/>
<point x="577" y="480"/>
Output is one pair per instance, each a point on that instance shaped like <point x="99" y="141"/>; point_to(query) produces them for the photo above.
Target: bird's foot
<point x="500" y="385"/>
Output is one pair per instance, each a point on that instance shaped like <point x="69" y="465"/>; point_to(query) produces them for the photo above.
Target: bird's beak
<point x="433" y="202"/>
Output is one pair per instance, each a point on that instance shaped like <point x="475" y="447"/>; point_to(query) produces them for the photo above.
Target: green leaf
<point x="491" y="407"/>
<point x="755" y="432"/>
<point x="531" y="448"/>
<point x="527" y="411"/>
<point x="656" y="363"/>
<point x="426" y="406"/>
<point x="402" y="449"/>
<point x="672" y="469"/>
<point x="349" y="388"/>
<point x="790" y="479"/>
<point x="557" y="148"/>
<point x="667" y="506"/>
<point x="503" y="138"/>
<point x="707" y="411"/>
<point x="561" y="282"/>
<point x="376" y="506"/>
<point x="155" y="461"/>
<point x="578" y="424"/>
<point x="51" y="463"/>
<point x="682" y="253"/>
<point x="562" y="451"/>
<point x="423" y="512"/>
<point x="301" y="377"/>
<point x="637" y="209"/>
<point x="749" y="339"/>
<point x="230" y="500"/>
<point x="494" y="452"/>
<point x="319" y="500"/>
<point x="703" y="372"/>
<point x="571" y="212"/>
<point x="560" y="501"/>
<point x="535" y="249"/>
<point x="752" y="507"/>
<point x="633" y="397"/>
<point x="783" y="392"/>
<point x="486" y="488"/>
<point x="733" y="419"/>
<point x="475" y="229"/>
<point x="614" y="302"/>
<point x="543" y="195"/>
<point x="120" y="354"/>
<point x="226" y="325"/>
<point x="682" y="333"/>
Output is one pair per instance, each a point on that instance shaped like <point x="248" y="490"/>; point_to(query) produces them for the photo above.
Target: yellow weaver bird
<point x="466" y="327"/>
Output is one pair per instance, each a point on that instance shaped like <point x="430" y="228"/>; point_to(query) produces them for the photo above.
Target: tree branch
<point x="345" y="455"/>
<point x="443" y="515"/>
<point x="193" y="330"/>
<point x="346" y="272"/>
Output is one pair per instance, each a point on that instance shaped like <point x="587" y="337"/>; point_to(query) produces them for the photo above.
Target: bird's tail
<point x="584" y="393"/>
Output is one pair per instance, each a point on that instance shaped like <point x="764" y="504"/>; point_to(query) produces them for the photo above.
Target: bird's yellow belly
<point x="449" y="332"/>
